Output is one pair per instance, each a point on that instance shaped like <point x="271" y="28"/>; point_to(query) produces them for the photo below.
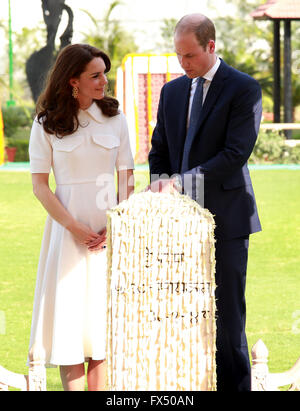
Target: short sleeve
<point x="124" y="159"/>
<point x="40" y="149"/>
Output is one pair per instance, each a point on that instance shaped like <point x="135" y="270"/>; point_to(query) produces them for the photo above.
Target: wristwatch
<point x="177" y="183"/>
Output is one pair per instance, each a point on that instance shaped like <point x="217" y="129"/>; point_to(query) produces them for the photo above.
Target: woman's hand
<point x="99" y="243"/>
<point x="83" y="234"/>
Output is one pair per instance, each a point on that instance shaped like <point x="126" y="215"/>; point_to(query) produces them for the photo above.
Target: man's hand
<point x="163" y="186"/>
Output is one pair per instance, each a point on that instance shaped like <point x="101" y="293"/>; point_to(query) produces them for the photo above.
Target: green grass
<point x="273" y="296"/>
<point x="273" y="284"/>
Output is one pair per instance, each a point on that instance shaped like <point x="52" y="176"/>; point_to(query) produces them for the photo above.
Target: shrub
<point x="271" y="148"/>
<point x="17" y="122"/>
<point x="22" y="148"/>
<point x="294" y="155"/>
<point x="16" y="119"/>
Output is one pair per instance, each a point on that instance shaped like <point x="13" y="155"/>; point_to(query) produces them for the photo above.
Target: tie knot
<point x="200" y="80"/>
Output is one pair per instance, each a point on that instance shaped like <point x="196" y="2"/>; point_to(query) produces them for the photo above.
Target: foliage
<point x="294" y="155"/>
<point x="22" y="148"/>
<point x="295" y="37"/>
<point x="17" y="125"/>
<point x="246" y="44"/>
<point x="25" y="43"/>
<point x="109" y="36"/>
<point x="271" y="148"/>
<point x="296" y="89"/>
<point x="16" y="120"/>
<point x="167" y="33"/>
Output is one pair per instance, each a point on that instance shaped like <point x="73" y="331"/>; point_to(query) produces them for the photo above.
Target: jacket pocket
<point x="67" y="144"/>
<point x="236" y="181"/>
<point x="107" y="141"/>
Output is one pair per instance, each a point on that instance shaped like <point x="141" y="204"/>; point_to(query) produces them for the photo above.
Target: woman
<point x="80" y="133"/>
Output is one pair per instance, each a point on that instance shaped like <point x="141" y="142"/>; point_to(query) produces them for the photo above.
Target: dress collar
<point x="95" y="112"/>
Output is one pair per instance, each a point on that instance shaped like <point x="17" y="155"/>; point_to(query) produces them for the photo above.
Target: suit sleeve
<point x="240" y="136"/>
<point x="159" y="161"/>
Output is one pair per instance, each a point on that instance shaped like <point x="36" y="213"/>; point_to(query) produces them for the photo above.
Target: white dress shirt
<point x="208" y="79"/>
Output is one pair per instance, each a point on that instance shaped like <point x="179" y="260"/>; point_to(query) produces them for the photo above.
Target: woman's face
<point x="91" y="83"/>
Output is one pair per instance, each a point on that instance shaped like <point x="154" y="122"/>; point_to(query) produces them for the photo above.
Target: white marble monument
<point x="161" y="305"/>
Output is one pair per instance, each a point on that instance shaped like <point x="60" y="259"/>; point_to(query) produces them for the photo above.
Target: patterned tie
<point x="195" y="113"/>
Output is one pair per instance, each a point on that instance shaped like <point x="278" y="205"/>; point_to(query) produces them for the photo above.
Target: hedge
<point x="270" y="147"/>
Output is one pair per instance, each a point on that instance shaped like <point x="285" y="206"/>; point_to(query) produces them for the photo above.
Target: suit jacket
<point x="224" y="139"/>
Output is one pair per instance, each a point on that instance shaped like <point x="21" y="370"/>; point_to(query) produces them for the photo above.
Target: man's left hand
<point x="162" y="186"/>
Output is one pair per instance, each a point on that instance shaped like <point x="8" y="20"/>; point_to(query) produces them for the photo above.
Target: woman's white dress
<point x="69" y="314"/>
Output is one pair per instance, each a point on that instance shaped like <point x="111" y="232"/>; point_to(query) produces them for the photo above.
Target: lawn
<point x="273" y="285"/>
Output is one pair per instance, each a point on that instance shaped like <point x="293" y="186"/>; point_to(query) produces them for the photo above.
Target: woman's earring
<point x="75" y="92"/>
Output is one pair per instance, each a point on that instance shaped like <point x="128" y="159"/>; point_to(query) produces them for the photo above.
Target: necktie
<point x="195" y="113"/>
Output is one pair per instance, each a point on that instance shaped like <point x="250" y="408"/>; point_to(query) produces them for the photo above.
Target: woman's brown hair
<point x="56" y="106"/>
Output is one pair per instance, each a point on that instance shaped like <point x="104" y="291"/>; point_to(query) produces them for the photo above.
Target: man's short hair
<point x="200" y="25"/>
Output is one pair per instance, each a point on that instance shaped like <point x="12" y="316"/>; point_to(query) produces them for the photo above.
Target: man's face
<point x="193" y="58"/>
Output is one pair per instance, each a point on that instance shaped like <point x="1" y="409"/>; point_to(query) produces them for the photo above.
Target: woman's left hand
<point x="99" y="243"/>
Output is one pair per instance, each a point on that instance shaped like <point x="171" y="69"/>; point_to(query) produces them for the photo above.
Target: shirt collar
<point x="210" y="74"/>
<point x="95" y="112"/>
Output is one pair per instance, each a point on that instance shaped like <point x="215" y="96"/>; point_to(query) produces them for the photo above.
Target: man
<point x="216" y="146"/>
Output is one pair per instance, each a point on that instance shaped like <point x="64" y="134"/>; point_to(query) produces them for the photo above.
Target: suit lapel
<point x="214" y="91"/>
<point x="180" y="117"/>
<point x="180" y="111"/>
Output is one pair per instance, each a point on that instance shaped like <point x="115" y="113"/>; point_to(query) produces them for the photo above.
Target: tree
<point x="167" y="34"/>
<point x="109" y="36"/>
<point x="25" y="42"/>
<point x="246" y="44"/>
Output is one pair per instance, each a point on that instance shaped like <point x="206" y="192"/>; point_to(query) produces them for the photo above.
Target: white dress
<point x="69" y="313"/>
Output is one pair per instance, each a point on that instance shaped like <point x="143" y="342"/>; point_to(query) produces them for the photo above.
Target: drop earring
<point x="75" y="92"/>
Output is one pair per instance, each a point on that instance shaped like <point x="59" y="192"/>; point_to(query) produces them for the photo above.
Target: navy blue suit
<point x="226" y="133"/>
